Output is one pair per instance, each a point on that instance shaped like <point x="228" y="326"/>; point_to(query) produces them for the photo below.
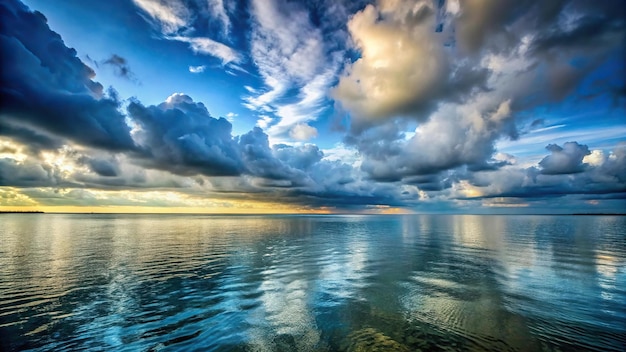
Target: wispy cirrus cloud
<point x="292" y="55"/>
<point x="176" y="21"/>
<point x="171" y="15"/>
<point x="211" y="47"/>
<point x="219" y="11"/>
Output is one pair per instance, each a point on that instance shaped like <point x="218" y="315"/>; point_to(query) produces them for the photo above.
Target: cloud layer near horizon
<point x="429" y="93"/>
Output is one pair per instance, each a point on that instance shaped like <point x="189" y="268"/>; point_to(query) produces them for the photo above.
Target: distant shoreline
<point x="21" y="212"/>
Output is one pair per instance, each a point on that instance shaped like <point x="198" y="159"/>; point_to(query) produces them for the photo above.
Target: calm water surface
<point x="312" y="283"/>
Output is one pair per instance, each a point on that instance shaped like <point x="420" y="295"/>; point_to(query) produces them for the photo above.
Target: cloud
<point x="567" y="175"/>
<point x="102" y="167"/>
<point x="564" y="160"/>
<point x="404" y="69"/>
<point x="231" y="116"/>
<point x="219" y="11"/>
<point x="430" y="92"/>
<point x="35" y="140"/>
<point x="197" y="69"/>
<point x="46" y="90"/>
<point x="301" y="158"/>
<point x="211" y="47"/>
<point x="421" y="105"/>
<point x="121" y="67"/>
<point x="456" y="136"/>
<point x="181" y="136"/>
<point x="20" y="174"/>
<point x="302" y="132"/>
<point x="295" y="61"/>
<point x="170" y="15"/>
<point x="184" y="20"/>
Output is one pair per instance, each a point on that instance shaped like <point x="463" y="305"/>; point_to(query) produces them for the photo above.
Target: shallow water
<point x="312" y="283"/>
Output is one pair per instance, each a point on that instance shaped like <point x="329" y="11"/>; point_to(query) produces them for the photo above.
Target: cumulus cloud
<point x="454" y="137"/>
<point x="564" y="160"/>
<point x="302" y="132"/>
<point x="402" y="61"/>
<point x="404" y="68"/>
<point x="181" y="136"/>
<point x="48" y="92"/>
<point x="466" y="94"/>
<point x="567" y="175"/>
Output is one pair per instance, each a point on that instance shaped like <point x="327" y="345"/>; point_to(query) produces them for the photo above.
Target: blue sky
<point x="330" y="106"/>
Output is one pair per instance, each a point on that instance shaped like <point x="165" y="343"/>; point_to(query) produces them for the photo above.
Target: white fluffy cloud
<point x="303" y="132"/>
<point x="403" y="62"/>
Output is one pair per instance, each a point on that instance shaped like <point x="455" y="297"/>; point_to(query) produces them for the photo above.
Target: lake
<point x="312" y="283"/>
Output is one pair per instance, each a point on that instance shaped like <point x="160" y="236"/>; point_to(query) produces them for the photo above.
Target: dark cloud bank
<point x="49" y="100"/>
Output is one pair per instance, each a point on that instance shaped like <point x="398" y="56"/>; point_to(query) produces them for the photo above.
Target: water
<point x="312" y="283"/>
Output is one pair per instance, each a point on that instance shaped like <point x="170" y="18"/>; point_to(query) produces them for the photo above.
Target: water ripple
<point x="318" y="283"/>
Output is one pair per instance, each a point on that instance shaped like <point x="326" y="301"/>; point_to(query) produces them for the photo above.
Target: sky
<point x="327" y="106"/>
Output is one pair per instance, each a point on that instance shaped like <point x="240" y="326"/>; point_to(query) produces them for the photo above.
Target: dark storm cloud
<point x="32" y="173"/>
<point x="44" y="86"/>
<point x="259" y="158"/>
<point x="30" y="137"/>
<point x="102" y="167"/>
<point x="180" y="136"/>
<point x="432" y="182"/>
<point x="13" y="173"/>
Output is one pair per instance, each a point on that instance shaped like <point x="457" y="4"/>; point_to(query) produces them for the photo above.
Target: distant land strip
<point x="21" y="212"/>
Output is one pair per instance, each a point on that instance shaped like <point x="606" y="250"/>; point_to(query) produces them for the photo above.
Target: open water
<point x="312" y="283"/>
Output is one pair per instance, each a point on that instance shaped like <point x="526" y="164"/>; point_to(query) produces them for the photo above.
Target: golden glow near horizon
<point x="149" y="202"/>
<point x="12" y="199"/>
<point x="162" y="210"/>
